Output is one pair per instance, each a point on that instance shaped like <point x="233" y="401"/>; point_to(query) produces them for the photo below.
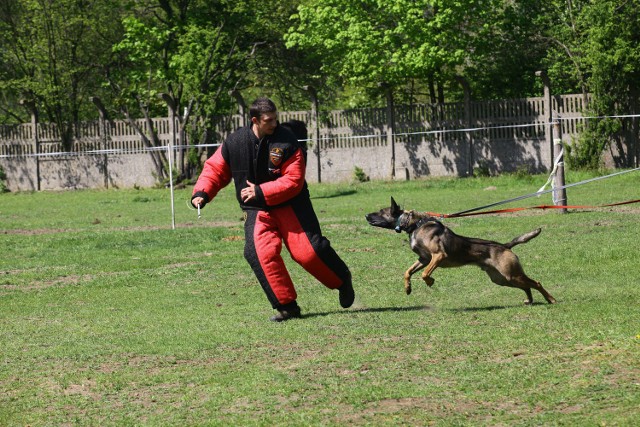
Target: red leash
<point x="457" y="215"/>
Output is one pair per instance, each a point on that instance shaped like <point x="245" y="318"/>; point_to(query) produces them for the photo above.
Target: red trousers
<point x="297" y="226"/>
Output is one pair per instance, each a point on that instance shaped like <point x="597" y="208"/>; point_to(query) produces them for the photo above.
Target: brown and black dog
<point x="438" y="246"/>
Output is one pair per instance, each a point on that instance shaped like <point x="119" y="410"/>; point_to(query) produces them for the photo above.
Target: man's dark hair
<point x="260" y="106"/>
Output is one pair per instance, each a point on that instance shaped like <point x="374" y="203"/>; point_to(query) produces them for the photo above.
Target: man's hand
<point x="198" y="201"/>
<point x="248" y="193"/>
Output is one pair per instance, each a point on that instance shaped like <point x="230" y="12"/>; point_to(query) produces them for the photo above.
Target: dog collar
<point x="398" y="227"/>
<point x="419" y="224"/>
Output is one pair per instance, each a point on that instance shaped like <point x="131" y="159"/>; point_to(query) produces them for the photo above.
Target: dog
<point x="438" y="246"/>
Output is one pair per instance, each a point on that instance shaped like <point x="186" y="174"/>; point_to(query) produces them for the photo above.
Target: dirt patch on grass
<point x="408" y="409"/>
<point x="35" y="232"/>
<point x="41" y="231"/>
<point x="45" y="284"/>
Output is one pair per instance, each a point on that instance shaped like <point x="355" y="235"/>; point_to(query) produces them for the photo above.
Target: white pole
<point x="173" y="210"/>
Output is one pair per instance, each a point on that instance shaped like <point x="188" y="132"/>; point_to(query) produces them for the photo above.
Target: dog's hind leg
<point x="433" y="264"/>
<point x="529" y="284"/>
<point x="522" y="281"/>
<point x="499" y="278"/>
<point x="417" y="266"/>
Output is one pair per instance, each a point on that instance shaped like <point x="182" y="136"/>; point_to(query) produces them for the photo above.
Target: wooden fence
<point x="338" y="129"/>
<point x="442" y="127"/>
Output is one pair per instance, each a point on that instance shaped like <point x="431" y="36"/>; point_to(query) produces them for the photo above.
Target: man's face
<point x="266" y="124"/>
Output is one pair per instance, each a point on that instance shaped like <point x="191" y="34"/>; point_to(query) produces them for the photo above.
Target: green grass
<point x="110" y="317"/>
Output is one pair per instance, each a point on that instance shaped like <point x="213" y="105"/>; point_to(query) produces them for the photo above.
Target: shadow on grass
<point x="415" y="308"/>
<point x="493" y="307"/>
<point x="336" y="194"/>
<point x="367" y="310"/>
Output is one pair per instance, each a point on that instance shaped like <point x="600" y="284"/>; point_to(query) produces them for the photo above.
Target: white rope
<point x="552" y="175"/>
<point x="620" y="116"/>
<point x="352" y="137"/>
<point x="526" y="196"/>
<point x="106" y="151"/>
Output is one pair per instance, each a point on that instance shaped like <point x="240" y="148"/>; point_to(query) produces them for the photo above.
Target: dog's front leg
<point x="417" y="266"/>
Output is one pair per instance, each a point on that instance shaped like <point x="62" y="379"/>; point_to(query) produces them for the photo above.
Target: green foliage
<point x="371" y="42"/>
<point x="51" y="54"/>
<point x="360" y="175"/>
<point x="586" y="151"/>
<point x="506" y="51"/>
<point x="595" y="48"/>
<point x="482" y="169"/>
<point x="144" y="75"/>
<point x="3" y="181"/>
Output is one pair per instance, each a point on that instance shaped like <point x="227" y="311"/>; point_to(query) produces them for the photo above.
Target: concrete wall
<point x="429" y="140"/>
<point x="415" y="160"/>
<point x="79" y="172"/>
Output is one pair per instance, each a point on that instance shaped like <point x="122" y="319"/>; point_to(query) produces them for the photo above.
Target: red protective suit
<point x="280" y="212"/>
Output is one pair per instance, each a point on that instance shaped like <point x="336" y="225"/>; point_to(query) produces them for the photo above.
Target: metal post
<point x="315" y="125"/>
<point x="548" y="112"/>
<point x="103" y="137"/>
<point x="391" y="128"/>
<point x="31" y="107"/>
<point x="559" y="196"/>
<point x="172" y="112"/>
<point x="468" y="122"/>
<point x="634" y="145"/>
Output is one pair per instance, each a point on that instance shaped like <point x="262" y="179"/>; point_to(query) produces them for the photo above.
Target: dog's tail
<point x="524" y="238"/>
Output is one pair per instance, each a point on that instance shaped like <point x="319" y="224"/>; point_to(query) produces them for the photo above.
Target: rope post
<point x="468" y="121"/>
<point x="104" y="117"/>
<point x="172" y="110"/>
<point x="315" y="124"/>
<point x="635" y="127"/>
<point x="33" y="111"/>
<point x="548" y="111"/>
<point x="560" y="195"/>
<point x="391" y="126"/>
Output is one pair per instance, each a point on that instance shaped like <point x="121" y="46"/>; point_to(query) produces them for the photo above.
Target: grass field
<point x="109" y="317"/>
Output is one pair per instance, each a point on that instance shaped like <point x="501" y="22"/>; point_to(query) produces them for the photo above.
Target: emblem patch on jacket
<point x="275" y="156"/>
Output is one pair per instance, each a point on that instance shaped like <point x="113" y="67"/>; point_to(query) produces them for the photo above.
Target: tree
<point x="366" y="43"/>
<point x="194" y="52"/>
<point x="594" y="46"/>
<point x="51" y="53"/>
<point x="507" y="50"/>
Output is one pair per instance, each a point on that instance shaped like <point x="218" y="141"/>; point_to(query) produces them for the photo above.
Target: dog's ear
<point x="394" y="206"/>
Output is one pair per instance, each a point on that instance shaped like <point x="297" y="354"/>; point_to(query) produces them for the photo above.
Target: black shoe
<point x="286" y="314"/>
<point x="347" y="295"/>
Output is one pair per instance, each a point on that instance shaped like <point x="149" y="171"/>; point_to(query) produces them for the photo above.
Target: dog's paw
<point x="407" y="289"/>
<point x="429" y="281"/>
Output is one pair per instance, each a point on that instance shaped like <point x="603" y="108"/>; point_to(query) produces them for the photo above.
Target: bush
<point x="359" y="175"/>
<point x="586" y="151"/>
<point x="483" y="169"/>
<point x="3" y="181"/>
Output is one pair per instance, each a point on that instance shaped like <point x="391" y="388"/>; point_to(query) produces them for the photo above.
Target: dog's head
<point x="396" y="218"/>
<point x="390" y="218"/>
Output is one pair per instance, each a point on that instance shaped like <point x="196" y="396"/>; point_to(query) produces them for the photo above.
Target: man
<point x="267" y="166"/>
